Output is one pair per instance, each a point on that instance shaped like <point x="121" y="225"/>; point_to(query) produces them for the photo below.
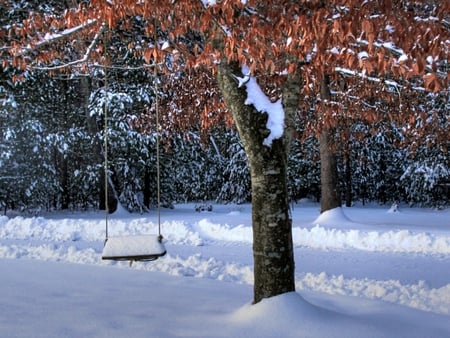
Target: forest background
<point x="52" y="128"/>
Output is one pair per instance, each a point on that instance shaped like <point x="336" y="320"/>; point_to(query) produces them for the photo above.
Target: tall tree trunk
<point x="110" y="196"/>
<point x="147" y="188"/>
<point x="348" y="179"/>
<point x="271" y="220"/>
<point x="64" y="179"/>
<point x="62" y="161"/>
<point x="329" y="179"/>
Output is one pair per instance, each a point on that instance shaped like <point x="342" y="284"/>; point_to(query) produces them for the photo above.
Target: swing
<point x="133" y="248"/>
<point x="141" y="248"/>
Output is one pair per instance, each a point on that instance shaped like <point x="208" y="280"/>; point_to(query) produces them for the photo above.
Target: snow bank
<point x="323" y="235"/>
<point x="388" y="241"/>
<point x="218" y="247"/>
<point x="418" y="296"/>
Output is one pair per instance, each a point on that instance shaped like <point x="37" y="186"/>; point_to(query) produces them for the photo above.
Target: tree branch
<point x="390" y="83"/>
<point x="85" y="56"/>
<point x="51" y="38"/>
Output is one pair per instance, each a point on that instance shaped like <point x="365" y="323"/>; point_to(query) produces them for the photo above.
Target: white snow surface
<point x="360" y="272"/>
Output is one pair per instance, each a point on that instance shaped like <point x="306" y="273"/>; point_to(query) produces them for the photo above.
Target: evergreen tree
<point x="425" y="177"/>
<point x="376" y="160"/>
<point x="236" y="187"/>
<point x="304" y="170"/>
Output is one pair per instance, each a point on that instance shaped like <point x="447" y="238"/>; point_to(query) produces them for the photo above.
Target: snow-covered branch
<point x="446" y="23"/>
<point x="85" y="56"/>
<point x="349" y="72"/>
<point x="390" y="83"/>
<point x="52" y="38"/>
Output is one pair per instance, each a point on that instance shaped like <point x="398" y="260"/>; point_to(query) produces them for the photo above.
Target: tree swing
<point x="141" y="248"/>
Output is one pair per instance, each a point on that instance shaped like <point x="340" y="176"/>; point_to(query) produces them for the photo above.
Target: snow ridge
<point x="190" y="240"/>
<point x="196" y="233"/>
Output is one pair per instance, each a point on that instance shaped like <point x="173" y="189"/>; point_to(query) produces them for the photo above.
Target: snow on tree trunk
<point x="271" y="220"/>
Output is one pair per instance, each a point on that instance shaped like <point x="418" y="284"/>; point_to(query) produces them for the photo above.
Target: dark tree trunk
<point x="271" y="220"/>
<point x="111" y="197"/>
<point x="64" y="179"/>
<point x="382" y="194"/>
<point x="329" y="179"/>
<point x="62" y="161"/>
<point x="147" y="188"/>
<point x="348" y="179"/>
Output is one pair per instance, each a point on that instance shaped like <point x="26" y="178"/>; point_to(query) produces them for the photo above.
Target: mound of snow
<point x="333" y="217"/>
<point x="394" y="208"/>
<point x="291" y="315"/>
<point x="120" y="211"/>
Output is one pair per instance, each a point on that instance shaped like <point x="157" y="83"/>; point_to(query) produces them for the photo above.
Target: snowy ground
<point x="369" y="273"/>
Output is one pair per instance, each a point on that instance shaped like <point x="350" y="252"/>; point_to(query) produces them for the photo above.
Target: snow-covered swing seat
<point x="134" y="248"/>
<point x="137" y="247"/>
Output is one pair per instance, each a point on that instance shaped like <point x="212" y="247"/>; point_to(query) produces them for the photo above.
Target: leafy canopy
<point x="381" y="56"/>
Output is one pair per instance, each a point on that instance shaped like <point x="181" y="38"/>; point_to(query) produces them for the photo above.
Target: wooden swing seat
<point x="133" y="248"/>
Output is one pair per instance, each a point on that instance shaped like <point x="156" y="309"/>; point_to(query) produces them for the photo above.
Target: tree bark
<point x="271" y="220"/>
<point x="64" y="180"/>
<point x="348" y="179"/>
<point x="329" y="179"/>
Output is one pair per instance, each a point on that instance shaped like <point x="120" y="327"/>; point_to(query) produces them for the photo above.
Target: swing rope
<point x="132" y="248"/>
<point x="158" y="166"/>
<point x="105" y="143"/>
<point x="105" y="150"/>
<point x="158" y="169"/>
